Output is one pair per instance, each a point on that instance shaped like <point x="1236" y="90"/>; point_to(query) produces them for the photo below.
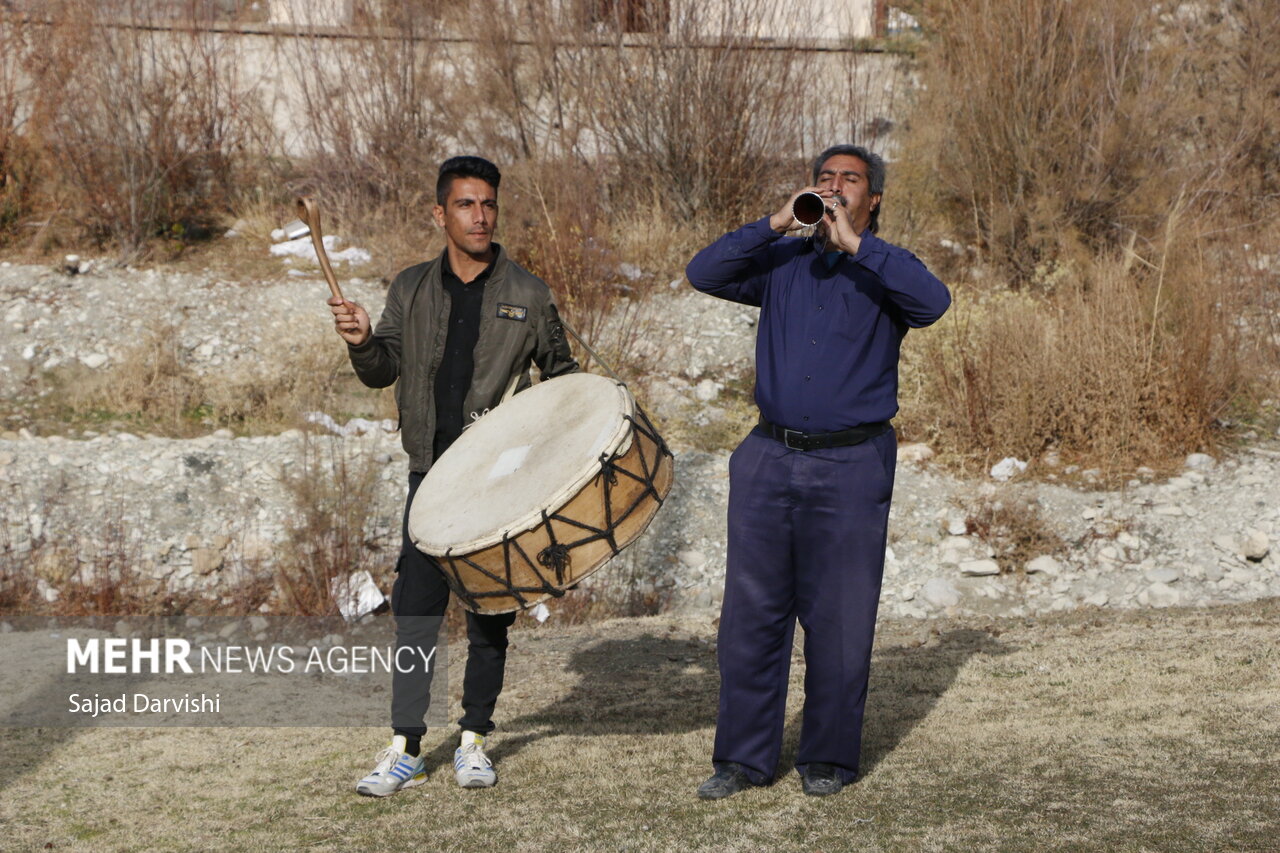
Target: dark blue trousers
<point x="806" y="540"/>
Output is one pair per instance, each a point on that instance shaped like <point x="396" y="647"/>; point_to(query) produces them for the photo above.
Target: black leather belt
<point x="796" y="440"/>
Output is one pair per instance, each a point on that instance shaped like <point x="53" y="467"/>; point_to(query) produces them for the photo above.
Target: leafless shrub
<point x="370" y="120"/>
<point x="19" y="159"/>
<point x="1015" y="528"/>
<point x="1095" y="121"/>
<point x="694" y="117"/>
<point x="330" y="535"/>
<point x="1097" y="169"/>
<point x="151" y="127"/>
<point x="1118" y="368"/>
<point x="521" y="69"/>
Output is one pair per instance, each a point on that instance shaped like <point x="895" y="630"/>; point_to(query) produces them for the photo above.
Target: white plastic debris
<point x="1007" y="468"/>
<point x="356" y="595"/>
<point x="541" y="612"/>
<point x="355" y="426"/>
<point x="302" y="248"/>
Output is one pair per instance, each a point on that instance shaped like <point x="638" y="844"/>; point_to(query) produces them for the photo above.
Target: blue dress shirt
<point x="829" y="335"/>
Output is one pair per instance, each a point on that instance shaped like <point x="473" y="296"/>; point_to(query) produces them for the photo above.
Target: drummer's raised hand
<point x="350" y="320"/>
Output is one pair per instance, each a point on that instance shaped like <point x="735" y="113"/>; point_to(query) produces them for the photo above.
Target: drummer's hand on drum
<point x="785" y="220"/>
<point x="350" y="320"/>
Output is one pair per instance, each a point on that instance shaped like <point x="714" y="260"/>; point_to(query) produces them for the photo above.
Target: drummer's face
<point x="469" y="215"/>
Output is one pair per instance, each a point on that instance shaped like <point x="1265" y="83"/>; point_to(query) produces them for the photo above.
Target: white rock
<point x="692" y="559"/>
<point x="975" y="568"/>
<point x="1169" y="509"/>
<point x="1089" y="513"/>
<point x="914" y="454"/>
<point x="1044" y="564"/>
<point x="1161" y="595"/>
<point x="1007" y="468"/>
<point x="1165" y="575"/>
<point x="707" y="390"/>
<point x="1097" y="599"/>
<point x="1255" y="545"/>
<point x="939" y="592"/>
<point x="1202" y="461"/>
<point x="94" y="360"/>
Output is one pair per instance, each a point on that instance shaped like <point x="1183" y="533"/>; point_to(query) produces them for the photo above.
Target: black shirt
<point x="453" y="379"/>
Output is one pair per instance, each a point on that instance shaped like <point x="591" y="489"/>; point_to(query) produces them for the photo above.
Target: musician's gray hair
<point x="875" y="172"/>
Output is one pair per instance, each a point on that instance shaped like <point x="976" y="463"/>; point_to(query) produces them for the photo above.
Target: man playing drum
<point x="810" y="485"/>
<point x="457" y="332"/>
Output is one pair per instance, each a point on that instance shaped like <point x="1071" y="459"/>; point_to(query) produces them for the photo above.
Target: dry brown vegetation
<point x="1097" y="186"/>
<point x="1105" y="184"/>
<point x="1013" y="524"/>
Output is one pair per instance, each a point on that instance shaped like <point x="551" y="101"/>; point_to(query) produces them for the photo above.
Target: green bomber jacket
<point x="519" y="325"/>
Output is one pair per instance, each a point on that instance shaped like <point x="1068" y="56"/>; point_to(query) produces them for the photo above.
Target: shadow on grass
<point x="645" y="685"/>
<point x="907" y="682"/>
<point x="657" y="685"/>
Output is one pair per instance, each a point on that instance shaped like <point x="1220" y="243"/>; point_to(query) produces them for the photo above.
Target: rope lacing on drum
<point x="557" y="556"/>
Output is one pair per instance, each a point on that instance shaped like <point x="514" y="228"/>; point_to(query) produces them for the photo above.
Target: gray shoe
<point x="395" y="771"/>
<point x="471" y="767"/>
<point x="820" y="780"/>
<point x="729" y="779"/>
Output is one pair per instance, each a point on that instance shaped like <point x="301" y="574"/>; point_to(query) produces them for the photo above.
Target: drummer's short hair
<point x="875" y="173"/>
<point x="465" y="167"/>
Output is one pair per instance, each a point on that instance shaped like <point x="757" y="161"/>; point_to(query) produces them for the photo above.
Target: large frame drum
<point x="541" y="492"/>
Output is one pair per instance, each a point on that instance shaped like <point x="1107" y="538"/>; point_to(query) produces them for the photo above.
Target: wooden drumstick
<point x="309" y="212"/>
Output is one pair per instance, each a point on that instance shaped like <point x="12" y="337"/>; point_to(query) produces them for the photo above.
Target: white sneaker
<point x="471" y="767"/>
<point x="395" y="771"/>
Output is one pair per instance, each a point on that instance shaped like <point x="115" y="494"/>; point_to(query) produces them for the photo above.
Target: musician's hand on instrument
<point x="841" y="234"/>
<point x="785" y="220"/>
<point x="349" y="320"/>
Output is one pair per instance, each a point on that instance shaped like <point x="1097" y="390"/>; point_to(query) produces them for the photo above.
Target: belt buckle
<point x="786" y="438"/>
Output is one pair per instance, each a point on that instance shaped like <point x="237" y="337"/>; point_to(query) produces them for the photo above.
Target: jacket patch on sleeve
<point x="512" y="312"/>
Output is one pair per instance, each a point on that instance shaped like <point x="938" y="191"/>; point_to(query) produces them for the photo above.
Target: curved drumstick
<point x="309" y="212"/>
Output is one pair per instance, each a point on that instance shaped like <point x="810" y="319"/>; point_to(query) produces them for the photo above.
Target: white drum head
<point x="532" y="453"/>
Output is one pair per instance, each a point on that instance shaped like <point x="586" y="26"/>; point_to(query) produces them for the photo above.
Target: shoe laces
<point x="474" y="755"/>
<point x="386" y="760"/>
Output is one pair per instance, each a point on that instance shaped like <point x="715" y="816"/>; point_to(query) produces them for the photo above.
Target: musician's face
<point x="469" y="216"/>
<point x="847" y="175"/>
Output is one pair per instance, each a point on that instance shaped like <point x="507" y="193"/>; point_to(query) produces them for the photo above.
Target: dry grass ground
<point x="1091" y="731"/>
